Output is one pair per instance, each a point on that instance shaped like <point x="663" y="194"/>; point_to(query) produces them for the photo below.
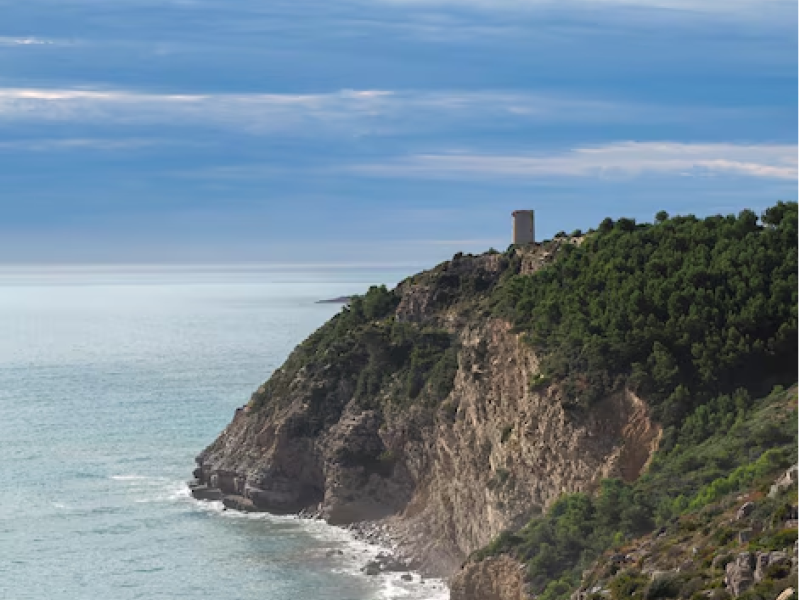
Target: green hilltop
<point x="699" y="317"/>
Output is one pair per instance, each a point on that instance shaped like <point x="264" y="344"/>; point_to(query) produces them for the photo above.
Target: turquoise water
<point x="111" y="381"/>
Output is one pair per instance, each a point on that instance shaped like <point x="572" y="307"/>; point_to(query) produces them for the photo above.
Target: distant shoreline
<point x="339" y="300"/>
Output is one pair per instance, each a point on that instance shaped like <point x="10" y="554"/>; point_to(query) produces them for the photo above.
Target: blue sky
<point x="380" y="131"/>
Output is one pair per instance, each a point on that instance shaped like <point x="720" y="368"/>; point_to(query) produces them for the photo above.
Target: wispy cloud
<point x="48" y="145"/>
<point x="251" y="111"/>
<point x="707" y="6"/>
<point x="360" y="112"/>
<point x="26" y="41"/>
<point x="623" y="159"/>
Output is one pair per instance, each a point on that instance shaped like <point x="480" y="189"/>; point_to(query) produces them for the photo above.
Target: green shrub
<point x="777" y="540"/>
<point x="628" y="585"/>
<point x="664" y="586"/>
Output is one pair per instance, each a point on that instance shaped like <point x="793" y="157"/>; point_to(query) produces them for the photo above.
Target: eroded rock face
<point x="750" y="568"/>
<point x="445" y="481"/>
<point x="505" y="451"/>
<point x="496" y="578"/>
<point x="260" y="458"/>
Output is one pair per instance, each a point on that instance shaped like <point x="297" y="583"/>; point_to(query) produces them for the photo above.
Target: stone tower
<point x="523" y="226"/>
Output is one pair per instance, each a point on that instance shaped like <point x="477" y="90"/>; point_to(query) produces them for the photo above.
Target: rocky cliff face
<point x="496" y="578"/>
<point x="444" y="474"/>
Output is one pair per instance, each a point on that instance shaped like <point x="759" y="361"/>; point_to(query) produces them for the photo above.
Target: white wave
<point x="388" y="585"/>
<point x="355" y="552"/>
<point x="128" y="477"/>
<point x="140" y="479"/>
<point x="394" y="587"/>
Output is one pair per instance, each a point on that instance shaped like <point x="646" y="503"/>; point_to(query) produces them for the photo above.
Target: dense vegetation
<point x="681" y="310"/>
<point x="697" y="316"/>
<point x="383" y="364"/>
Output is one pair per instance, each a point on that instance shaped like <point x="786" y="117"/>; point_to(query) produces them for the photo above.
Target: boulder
<point x="617" y="558"/>
<point x="745" y="535"/>
<point x="240" y="503"/>
<point x="786" y="594"/>
<point x="204" y="492"/>
<point x="765" y="560"/>
<point x="784" y="482"/>
<point x="739" y="574"/>
<point x="745" y="510"/>
<point x="371" y="568"/>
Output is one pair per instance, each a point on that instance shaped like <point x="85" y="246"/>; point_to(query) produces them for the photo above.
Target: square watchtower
<point x="523" y="227"/>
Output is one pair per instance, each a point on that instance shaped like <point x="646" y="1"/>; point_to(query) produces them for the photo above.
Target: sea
<point x="112" y="379"/>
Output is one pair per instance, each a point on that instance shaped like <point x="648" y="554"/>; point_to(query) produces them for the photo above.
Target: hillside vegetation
<point x="698" y="316"/>
<point x="679" y="311"/>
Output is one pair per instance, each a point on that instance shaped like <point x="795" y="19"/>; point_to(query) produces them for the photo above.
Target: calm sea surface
<point x="111" y="381"/>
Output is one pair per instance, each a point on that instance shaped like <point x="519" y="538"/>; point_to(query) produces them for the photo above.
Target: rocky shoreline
<point x="387" y="558"/>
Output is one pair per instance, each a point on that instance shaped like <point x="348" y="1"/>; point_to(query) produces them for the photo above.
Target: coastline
<point x="370" y="550"/>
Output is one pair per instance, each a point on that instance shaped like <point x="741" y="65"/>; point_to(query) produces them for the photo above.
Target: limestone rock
<point x="496" y="578"/>
<point x="371" y="568"/>
<point x="204" y="492"/>
<point x="739" y="574"/>
<point x="765" y="560"/>
<point x="784" y="482"/>
<point x="745" y="535"/>
<point x="239" y="503"/>
<point x="745" y="510"/>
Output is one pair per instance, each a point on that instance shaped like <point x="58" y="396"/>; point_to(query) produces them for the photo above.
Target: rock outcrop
<point x="739" y="573"/>
<point x="786" y="481"/>
<point x="497" y="578"/>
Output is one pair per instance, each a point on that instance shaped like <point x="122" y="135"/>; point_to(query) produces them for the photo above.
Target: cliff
<point x="506" y="418"/>
<point x="446" y="471"/>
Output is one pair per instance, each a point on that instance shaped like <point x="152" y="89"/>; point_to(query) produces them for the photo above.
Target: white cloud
<point x="25" y="41"/>
<point x="728" y="7"/>
<point x="47" y="145"/>
<point x="254" y="112"/>
<point x="359" y="112"/>
<point x="623" y="159"/>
